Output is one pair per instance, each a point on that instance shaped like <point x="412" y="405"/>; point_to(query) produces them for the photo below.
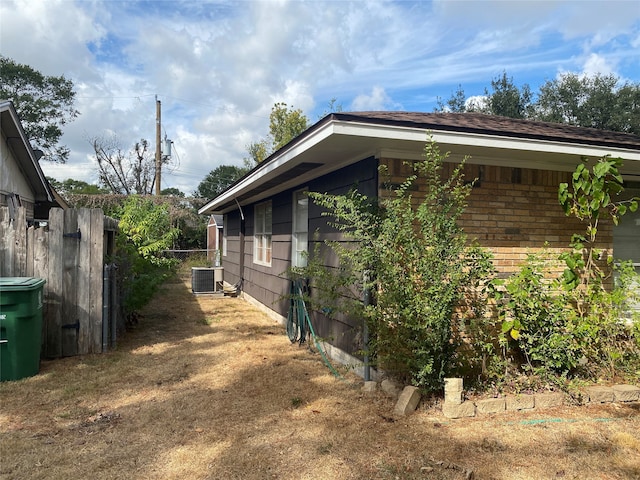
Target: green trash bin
<point x="21" y="301"/>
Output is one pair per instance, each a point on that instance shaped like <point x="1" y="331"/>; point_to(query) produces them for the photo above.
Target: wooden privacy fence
<point x="81" y="310"/>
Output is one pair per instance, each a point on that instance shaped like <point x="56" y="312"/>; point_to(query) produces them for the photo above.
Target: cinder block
<point x="408" y="401"/>
<point x="520" y="402"/>
<point x="452" y="410"/>
<point x="599" y="394"/>
<point x="390" y="388"/>
<point x="490" y="405"/>
<point x="626" y="393"/>
<point x="453" y="384"/>
<point x="370" y="387"/>
<point x="547" y="400"/>
<point x="453" y="390"/>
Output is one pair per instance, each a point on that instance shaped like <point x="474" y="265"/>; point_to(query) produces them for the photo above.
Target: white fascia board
<point x="483" y="140"/>
<point x="272" y="165"/>
<point x="418" y="135"/>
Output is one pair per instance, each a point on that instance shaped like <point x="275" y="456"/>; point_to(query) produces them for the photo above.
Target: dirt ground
<point x="210" y="388"/>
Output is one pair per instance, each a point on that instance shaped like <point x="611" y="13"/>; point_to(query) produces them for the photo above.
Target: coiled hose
<point x="299" y="323"/>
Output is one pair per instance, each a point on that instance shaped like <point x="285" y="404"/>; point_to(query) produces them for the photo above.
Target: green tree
<point x="284" y="125"/>
<point x="598" y="101"/>
<point x="145" y="230"/>
<point x="506" y="99"/>
<point x="75" y="187"/>
<point x="44" y="103"/>
<point x="218" y="180"/>
<point x="457" y="103"/>
<point x="258" y="151"/>
<point x="172" y="191"/>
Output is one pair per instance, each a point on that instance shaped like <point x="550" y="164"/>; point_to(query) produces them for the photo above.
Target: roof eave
<point x="387" y="134"/>
<point x="26" y="156"/>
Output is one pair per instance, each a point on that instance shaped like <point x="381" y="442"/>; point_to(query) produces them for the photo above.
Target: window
<point x="262" y="234"/>
<point x="300" y="233"/>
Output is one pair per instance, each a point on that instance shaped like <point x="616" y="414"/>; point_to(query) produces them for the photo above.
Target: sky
<point x="218" y="67"/>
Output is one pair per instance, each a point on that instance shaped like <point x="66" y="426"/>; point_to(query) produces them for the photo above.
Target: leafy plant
<point x="575" y="324"/>
<point x="145" y="230"/>
<point x="536" y="319"/>
<point x="417" y="265"/>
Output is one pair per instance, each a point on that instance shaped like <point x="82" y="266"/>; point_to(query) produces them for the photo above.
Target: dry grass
<point x="209" y="388"/>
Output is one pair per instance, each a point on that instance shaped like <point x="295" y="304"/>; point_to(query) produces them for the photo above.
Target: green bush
<point x="418" y="263"/>
<point x="574" y="325"/>
<point x="145" y="231"/>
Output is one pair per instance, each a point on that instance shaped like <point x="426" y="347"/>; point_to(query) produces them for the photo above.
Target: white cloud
<point x="476" y="102"/>
<point x="595" y="64"/>
<point x="50" y="34"/>
<point x="376" y="100"/>
<point x="218" y="67"/>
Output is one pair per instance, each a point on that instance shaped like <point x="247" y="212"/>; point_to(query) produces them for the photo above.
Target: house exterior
<point x="512" y="210"/>
<point x="22" y="182"/>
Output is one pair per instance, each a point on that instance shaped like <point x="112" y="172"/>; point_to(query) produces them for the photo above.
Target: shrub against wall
<point x="418" y="265"/>
<point x="573" y="325"/>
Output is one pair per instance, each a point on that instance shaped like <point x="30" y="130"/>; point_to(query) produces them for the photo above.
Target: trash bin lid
<point x="11" y="284"/>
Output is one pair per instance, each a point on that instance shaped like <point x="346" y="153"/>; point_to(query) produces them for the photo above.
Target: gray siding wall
<point x="269" y="285"/>
<point x="344" y="333"/>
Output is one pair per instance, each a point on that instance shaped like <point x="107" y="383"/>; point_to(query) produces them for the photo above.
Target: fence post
<point x="53" y="344"/>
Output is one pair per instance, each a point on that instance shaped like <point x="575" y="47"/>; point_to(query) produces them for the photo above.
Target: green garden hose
<point x="299" y="323"/>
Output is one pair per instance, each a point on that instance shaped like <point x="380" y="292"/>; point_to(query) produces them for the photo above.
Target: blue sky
<point x="219" y="66"/>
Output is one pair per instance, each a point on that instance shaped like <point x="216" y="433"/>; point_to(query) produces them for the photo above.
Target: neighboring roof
<point x="340" y="139"/>
<point x="25" y="156"/>
<point x="216" y="220"/>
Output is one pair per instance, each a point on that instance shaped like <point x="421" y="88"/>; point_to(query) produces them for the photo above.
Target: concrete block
<point x="520" y="402"/>
<point x="550" y="399"/>
<point x="453" y="384"/>
<point x="452" y="410"/>
<point x="390" y="388"/>
<point x="599" y="394"/>
<point x="626" y="393"/>
<point x="408" y="401"/>
<point x="453" y="390"/>
<point x="370" y="387"/>
<point x="490" y="405"/>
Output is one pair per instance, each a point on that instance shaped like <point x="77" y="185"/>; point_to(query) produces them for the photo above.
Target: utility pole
<point x="158" y="148"/>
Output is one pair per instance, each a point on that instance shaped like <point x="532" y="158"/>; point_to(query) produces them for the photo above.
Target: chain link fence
<point x="209" y="258"/>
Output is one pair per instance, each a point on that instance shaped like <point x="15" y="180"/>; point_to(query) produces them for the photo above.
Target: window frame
<point x="263" y="234"/>
<point x="296" y="230"/>
<point x="224" y="235"/>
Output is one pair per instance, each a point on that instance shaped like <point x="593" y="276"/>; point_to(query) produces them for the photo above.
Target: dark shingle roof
<point x="494" y="125"/>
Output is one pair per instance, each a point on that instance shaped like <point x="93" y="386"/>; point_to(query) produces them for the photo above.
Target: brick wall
<point x="513" y="211"/>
